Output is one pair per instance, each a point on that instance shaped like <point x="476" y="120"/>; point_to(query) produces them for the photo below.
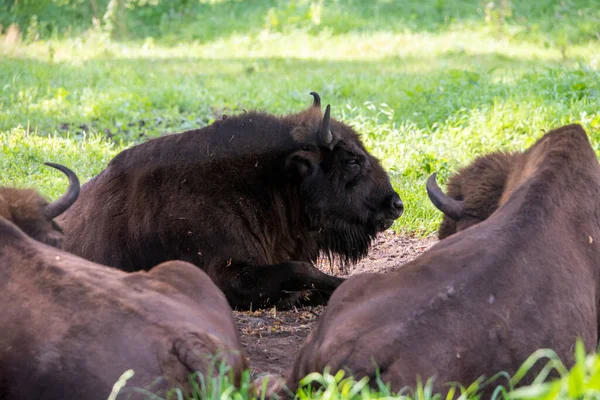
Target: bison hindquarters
<point x="283" y="285"/>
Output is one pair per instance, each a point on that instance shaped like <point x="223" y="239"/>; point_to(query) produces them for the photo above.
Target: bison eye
<point x="351" y="169"/>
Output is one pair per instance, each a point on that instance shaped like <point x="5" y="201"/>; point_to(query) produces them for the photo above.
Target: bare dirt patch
<point x="272" y="338"/>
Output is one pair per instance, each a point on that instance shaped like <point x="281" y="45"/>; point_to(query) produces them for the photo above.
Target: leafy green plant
<point x="496" y="14"/>
<point x="294" y="14"/>
<point x="582" y="381"/>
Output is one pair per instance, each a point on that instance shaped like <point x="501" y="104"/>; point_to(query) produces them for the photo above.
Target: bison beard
<point x="252" y="199"/>
<point x="519" y="272"/>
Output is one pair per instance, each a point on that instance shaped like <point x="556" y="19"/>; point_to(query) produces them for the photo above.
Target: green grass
<point x="428" y="84"/>
<point x="581" y="382"/>
<point x="424" y="101"/>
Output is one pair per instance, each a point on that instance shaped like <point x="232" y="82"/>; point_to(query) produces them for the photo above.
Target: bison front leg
<point x="282" y="285"/>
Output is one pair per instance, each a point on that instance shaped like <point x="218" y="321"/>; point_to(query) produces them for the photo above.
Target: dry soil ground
<point x="272" y="338"/>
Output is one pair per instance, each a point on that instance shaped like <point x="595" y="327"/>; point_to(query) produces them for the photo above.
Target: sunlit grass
<point x="23" y="153"/>
<point x="424" y="100"/>
<point x="582" y="381"/>
<point x="547" y="379"/>
<point x="424" y="46"/>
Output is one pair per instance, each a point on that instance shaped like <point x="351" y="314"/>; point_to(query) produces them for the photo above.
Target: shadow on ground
<point x="272" y="338"/>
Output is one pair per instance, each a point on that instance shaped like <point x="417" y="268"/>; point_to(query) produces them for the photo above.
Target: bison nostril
<point x="397" y="203"/>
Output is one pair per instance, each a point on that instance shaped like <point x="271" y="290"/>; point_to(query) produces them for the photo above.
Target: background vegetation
<point x="429" y="84"/>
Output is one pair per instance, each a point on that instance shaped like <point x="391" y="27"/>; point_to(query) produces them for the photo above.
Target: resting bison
<point x="474" y="192"/>
<point x="27" y="209"/>
<point x="485" y="298"/>
<point x="70" y="327"/>
<point x="252" y="199"/>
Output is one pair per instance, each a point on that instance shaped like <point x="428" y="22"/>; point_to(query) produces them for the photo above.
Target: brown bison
<point x="482" y="300"/>
<point x="252" y="199"/>
<point x="474" y="192"/>
<point x="27" y="209"/>
<point x="70" y="327"/>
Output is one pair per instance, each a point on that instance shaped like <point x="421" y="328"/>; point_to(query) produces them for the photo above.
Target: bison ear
<point x="302" y="163"/>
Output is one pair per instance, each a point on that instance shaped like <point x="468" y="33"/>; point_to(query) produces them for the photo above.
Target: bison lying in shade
<point x="251" y="199"/>
<point x="70" y="327"/>
<point x="31" y="212"/>
<point x="482" y="300"/>
<point x="474" y="192"/>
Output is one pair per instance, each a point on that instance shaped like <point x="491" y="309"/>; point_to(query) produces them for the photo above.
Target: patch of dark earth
<point x="272" y="338"/>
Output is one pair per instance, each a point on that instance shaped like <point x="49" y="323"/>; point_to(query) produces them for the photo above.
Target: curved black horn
<point x="61" y="205"/>
<point x="325" y="134"/>
<point x="317" y="102"/>
<point x="446" y="204"/>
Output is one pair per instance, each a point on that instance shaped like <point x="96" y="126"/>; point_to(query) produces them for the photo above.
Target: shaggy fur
<point x="27" y="209"/>
<point x="252" y="199"/>
<point x="480" y="185"/>
<point x="485" y="298"/>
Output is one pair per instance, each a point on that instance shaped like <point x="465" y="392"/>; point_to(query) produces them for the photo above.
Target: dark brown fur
<point x="70" y="327"/>
<point x="24" y="208"/>
<point x="27" y="209"/>
<point x="485" y="298"/>
<point x="480" y="185"/>
<point x="252" y="199"/>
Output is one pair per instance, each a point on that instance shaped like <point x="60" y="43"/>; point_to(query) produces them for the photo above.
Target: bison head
<point x="473" y="193"/>
<point x="347" y="195"/>
<point x="27" y="209"/>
